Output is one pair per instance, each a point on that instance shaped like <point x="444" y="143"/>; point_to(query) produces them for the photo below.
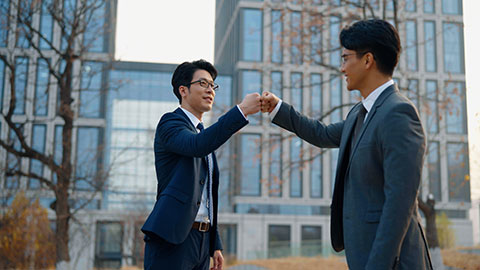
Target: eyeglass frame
<point x="201" y="81"/>
<point x="348" y="54"/>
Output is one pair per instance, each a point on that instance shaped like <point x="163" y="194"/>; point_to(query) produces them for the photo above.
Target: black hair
<point x="184" y="73"/>
<point x="376" y="36"/>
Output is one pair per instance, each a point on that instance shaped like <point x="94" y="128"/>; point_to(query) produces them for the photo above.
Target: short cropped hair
<point x="184" y="73"/>
<point x="376" y="36"/>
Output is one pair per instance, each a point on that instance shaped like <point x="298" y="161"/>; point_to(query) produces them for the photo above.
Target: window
<point x="296" y="38"/>
<point x="455" y="108"/>
<point x="108" y="245"/>
<point x="411" y="5"/>
<point x="41" y="88"/>
<point x="296" y="92"/>
<point x="296" y="164"/>
<point x="277" y="83"/>
<point x="452" y="7"/>
<point x="316" y="176"/>
<point x="316" y="95"/>
<point x="311" y="244"/>
<point x="94" y="37"/>
<point x="277" y="32"/>
<point x="252" y="29"/>
<point x="276" y="179"/>
<point x="251" y="82"/>
<point x="38" y="144"/>
<point x="224" y="155"/>
<point x="58" y="149"/>
<point x="13" y="162"/>
<point x="316" y="180"/>
<point x="335" y="98"/>
<point x="91" y="94"/>
<point x="279" y="241"/>
<point x="223" y="97"/>
<point x="412" y="92"/>
<point x="228" y="234"/>
<point x="334" y="44"/>
<point x="21" y="76"/>
<point x="69" y="7"/>
<point x="434" y="177"/>
<point x="24" y="20"/>
<point x="88" y="158"/>
<point x="4" y="22"/>
<point x="430" y="46"/>
<point x="411" y="48"/>
<point x="46" y="26"/>
<point x="429" y="6"/>
<point x="453" y="48"/>
<point x="250" y="172"/>
<point x="316" y="40"/>
<point x="2" y="82"/>
<point x="458" y="169"/>
<point x="431" y="107"/>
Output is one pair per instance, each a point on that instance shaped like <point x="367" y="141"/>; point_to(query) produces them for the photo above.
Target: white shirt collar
<point x="370" y="100"/>
<point x="192" y="117"/>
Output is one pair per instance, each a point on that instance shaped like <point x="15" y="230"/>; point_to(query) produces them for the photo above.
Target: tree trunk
<point x="428" y="210"/>
<point x="62" y="211"/>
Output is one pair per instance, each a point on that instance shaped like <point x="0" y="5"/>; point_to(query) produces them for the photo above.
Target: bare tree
<point x="60" y="36"/>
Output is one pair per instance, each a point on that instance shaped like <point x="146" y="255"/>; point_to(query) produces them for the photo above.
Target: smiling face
<point x="195" y="98"/>
<point x="353" y="69"/>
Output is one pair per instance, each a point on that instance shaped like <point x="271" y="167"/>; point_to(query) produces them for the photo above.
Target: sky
<point x="165" y="31"/>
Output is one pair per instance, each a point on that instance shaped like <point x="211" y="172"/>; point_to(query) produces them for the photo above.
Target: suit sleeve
<point x="174" y="133"/>
<point x="309" y="129"/>
<point x="218" y="242"/>
<point x="403" y="146"/>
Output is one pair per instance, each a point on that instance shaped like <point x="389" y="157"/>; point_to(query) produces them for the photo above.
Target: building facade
<point x="282" y="188"/>
<point x="275" y="190"/>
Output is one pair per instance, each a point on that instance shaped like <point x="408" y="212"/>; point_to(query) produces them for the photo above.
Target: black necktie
<point x="200" y="126"/>
<point x="358" y="125"/>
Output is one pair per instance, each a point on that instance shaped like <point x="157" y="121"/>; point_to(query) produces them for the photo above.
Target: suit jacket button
<point x="202" y="182"/>
<point x="198" y="203"/>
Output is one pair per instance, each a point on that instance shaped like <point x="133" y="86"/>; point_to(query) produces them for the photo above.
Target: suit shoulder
<point x="398" y="101"/>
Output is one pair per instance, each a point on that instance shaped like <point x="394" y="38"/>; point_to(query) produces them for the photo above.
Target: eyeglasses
<point x="344" y="56"/>
<point x="205" y="84"/>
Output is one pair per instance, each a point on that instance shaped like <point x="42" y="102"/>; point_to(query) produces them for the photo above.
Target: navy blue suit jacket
<point x="180" y="163"/>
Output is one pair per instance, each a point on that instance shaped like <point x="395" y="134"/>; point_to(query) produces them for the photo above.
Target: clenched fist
<point x="250" y="104"/>
<point x="269" y="101"/>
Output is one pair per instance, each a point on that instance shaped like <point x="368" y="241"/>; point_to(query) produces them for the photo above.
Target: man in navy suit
<point x="181" y="231"/>
<point x="374" y="213"/>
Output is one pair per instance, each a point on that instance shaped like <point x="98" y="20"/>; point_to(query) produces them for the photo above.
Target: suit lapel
<point x="370" y="116"/>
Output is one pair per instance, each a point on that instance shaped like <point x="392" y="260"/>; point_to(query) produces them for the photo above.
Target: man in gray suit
<point x="374" y="213"/>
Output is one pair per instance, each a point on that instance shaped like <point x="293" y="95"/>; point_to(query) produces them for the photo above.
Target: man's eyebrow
<point x="205" y="79"/>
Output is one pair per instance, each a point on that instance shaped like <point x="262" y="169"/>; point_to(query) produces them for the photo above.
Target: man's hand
<point x="269" y="101"/>
<point x="250" y="104"/>
<point x="217" y="259"/>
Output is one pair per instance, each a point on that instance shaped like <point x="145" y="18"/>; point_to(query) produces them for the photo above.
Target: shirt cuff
<point x="275" y="110"/>
<point x="244" y="116"/>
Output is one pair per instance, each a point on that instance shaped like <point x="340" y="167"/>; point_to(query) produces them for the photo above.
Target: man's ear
<point x="369" y="60"/>
<point x="183" y="90"/>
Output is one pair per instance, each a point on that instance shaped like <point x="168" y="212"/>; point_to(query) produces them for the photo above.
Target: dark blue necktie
<point x="209" y="182"/>
<point x="200" y="126"/>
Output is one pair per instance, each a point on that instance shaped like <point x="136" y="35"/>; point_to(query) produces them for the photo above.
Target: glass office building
<point x="275" y="189"/>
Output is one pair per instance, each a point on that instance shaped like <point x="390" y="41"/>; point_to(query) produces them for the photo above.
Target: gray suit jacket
<point x="374" y="212"/>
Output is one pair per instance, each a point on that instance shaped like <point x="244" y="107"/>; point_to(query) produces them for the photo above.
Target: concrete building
<point x="275" y="190"/>
<point x="283" y="186"/>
